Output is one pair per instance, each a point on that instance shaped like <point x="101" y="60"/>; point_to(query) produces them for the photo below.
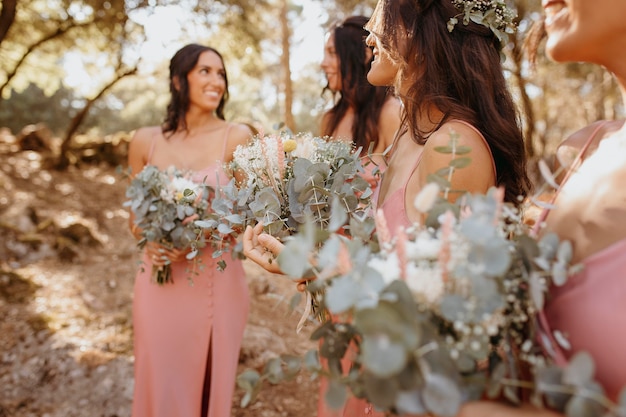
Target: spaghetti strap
<point x="544" y="213"/>
<point x="229" y="125"/>
<point x="151" y="151"/>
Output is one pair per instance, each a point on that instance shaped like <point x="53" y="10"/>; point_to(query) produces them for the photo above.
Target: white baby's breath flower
<point x="427" y="197"/>
<point x="425" y="246"/>
<point x="388" y="267"/>
<point x="306" y="147"/>
<point x="425" y="282"/>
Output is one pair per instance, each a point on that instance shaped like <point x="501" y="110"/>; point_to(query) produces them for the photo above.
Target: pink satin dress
<point x="396" y="217"/>
<point x="178" y="326"/>
<point x="590" y="310"/>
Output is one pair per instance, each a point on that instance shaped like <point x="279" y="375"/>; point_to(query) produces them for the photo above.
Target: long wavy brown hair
<point x="181" y="64"/>
<point x="367" y="100"/>
<point x="459" y="73"/>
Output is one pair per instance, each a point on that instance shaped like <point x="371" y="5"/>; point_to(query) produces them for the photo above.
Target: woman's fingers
<point x="256" y="251"/>
<point x="270" y="243"/>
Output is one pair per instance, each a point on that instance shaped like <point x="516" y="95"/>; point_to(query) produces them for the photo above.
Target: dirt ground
<point x="67" y="265"/>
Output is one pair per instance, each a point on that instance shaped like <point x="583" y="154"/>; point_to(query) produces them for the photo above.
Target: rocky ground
<point x="67" y="264"/>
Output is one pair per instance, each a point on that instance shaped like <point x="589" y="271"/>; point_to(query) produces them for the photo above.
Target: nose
<point x="216" y="79"/>
<point x="324" y="63"/>
<point x="370" y="40"/>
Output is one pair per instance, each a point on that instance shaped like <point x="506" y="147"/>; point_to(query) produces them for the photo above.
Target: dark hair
<point x="356" y="92"/>
<point x="458" y="72"/>
<point x="181" y="64"/>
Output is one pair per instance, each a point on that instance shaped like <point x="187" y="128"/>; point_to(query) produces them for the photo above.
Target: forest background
<point x="92" y="67"/>
<point x="76" y="78"/>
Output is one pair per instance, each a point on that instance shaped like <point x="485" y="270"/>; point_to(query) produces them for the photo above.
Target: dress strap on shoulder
<point x="151" y="150"/>
<point x="544" y="213"/>
<point x="225" y="145"/>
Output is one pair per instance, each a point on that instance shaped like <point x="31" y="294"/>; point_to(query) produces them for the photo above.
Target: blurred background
<point x="86" y="69"/>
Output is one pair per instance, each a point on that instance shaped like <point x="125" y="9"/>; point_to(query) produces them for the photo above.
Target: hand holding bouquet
<point x="166" y="205"/>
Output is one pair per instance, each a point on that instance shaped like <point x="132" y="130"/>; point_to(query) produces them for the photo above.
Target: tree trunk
<point x="64" y="157"/>
<point x="284" y="62"/>
<point x="7" y="16"/>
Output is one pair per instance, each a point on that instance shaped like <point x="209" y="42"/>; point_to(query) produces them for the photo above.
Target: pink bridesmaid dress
<point x="590" y="309"/>
<point x="182" y="329"/>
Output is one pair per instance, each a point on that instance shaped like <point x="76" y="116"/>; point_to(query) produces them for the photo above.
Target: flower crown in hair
<point x="494" y="14"/>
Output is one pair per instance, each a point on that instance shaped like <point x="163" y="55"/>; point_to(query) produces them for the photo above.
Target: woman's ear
<point x="176" y="82"/>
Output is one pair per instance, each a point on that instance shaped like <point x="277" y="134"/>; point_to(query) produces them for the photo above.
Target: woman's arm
<point x="239" y="134"/>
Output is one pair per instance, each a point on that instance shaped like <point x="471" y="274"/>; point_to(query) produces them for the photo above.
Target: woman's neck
<point x="199" y="122"/>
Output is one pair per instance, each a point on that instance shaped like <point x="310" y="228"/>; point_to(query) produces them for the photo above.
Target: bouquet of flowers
<point x="436" y="316"/>
<point x="166" y="205"/>
<point x="289" y="178"/>
<point x="442" y="313"/>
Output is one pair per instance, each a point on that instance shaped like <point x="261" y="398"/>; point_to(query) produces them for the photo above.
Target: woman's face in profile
<point x="330" y="64"/>
<point x="579" y="29"/>
<point x="384" y="69"/>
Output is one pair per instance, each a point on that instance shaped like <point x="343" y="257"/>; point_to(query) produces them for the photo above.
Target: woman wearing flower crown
<point x="589" y="209"/>
<point x="449" y="78"/>
<point x="187" y="335"/>
<point x="365" y="114"/>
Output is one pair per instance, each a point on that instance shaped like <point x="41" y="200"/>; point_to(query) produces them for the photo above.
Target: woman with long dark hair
<point x="187" y="333"/>
<point x="367" y="115"/>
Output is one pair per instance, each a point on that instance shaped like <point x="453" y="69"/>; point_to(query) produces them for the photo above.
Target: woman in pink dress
<point x="362" y="113"/>
<point x="589" y="209"/>
<point x="446" y="87"/>
<point x="366" y="115"/>
<point x="187" y="334"/>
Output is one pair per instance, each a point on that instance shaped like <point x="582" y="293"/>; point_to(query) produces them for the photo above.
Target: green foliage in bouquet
<point x="165" y="205"/>
<point x="291" y="178"/>
<point x="441" y="314"/>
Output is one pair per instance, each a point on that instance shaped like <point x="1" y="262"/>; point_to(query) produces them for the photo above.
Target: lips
<point x="214" y="94"/>
<point x="553" y="10"/>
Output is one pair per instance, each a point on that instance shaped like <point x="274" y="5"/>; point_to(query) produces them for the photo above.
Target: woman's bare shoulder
<point x="463" y="133"/>
<point x="146" y="133"/>
<point x="239" y="132"/>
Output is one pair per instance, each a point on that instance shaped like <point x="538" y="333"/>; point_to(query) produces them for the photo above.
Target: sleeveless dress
<point x="178" y="326"/>
<point x="590" y="311"/>
<point x="396" y="217"/>
<point x="393" y="206"/>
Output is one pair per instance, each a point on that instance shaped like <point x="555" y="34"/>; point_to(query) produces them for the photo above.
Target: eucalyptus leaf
<point x="382" y="356"/>
<point x="336" y="395"/>
<point x="579" y="370"/>
<point x="381" y="392"/>
<point x="459" y="163"/>
<point x="410" y="402"/>
<point x="441" y="395"/>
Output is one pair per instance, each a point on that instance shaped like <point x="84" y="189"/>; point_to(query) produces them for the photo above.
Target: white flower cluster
<point x="494" y="14"/>
<point x="180" y="189"/>
<point x="421" y="267"/>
